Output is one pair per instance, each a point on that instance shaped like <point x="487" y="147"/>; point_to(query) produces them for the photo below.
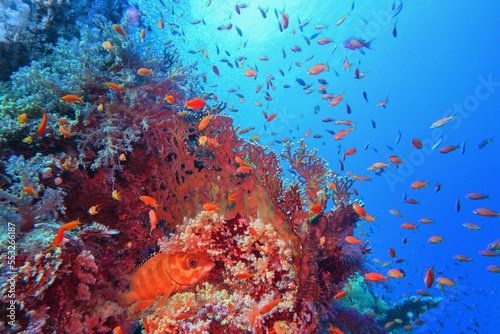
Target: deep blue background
<point x="443" y="52"/>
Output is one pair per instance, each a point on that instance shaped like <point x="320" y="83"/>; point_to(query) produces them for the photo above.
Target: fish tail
<point x="126" y="299"/>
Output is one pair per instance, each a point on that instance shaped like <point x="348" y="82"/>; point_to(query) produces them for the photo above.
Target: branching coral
<point x="312" y="170"/>
<point x="23" y="207"/>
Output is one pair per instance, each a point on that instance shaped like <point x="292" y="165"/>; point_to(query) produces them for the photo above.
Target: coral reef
<point x="76" y="192"/>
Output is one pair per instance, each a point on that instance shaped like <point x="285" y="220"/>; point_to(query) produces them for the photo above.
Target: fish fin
<point x="140" y="305"/>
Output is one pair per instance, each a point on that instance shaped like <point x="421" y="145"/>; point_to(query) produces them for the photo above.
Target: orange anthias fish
<point x="211" y="207"/>
<point x="317" y="69"/>
<point x="43" y="124"/>
<point x="419" y="184"/>
<point x="375" y="277"/>
<point x="70" y="98"/>
<point x="352" y="240"/>
<point x="429" y="278"/>
<point x="119" y="30"/>
<point x="250" y="73"/>
<point x="204" y="122"/>
<point x="359" y="209"/>
<point x="114" y="87"/>
<point x="144" y="71"/>
<point x="170" y="99"/>
<point x="148" y="200"/>
<point x="195" y="103"/>
<point x="162" y="275"/>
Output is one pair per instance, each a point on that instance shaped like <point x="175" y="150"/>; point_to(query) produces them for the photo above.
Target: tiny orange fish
<point x="244" y="169"/>
<point x="107" y="46"/>
<point x="251" y="73"/>
<point x="114" y="87"/>
<point x="271" y="117"/>
<point x="316" y="209"/>
<point x="71" y="225"/>
<point x="119" y="30"/>
<point x="359" y="210"/>
<point x="244" y="275"/>
<point x="70" y="98"/>
<point x="59" y="238"/>
<point x="445" y="281"/>
<point x="317" y="69"/>
<point x="170" y="99"/>
<point x="94" y="210"/>
<point x="22" y="118"/>
<point x="211" y="207"/>
<point x="195" y="103"/>
<point x="116" y="195"/>
<point x="65" y="132"/>
<point x="153" y="219"/>
<point x="429" y="277"/>
<point x="352" y="240"/>
<point x="204" y="122"/>
<point x="30" y="191"/>
<point x="148" y="200"/>
<point x="340" y="295"/>
<point x="409" y="226"/>
<point x="144" y="71"/>
<point x="161" y="23"/>
<point x="43" y="124"/>
<point x="375" y="277"/>
<point x="396" y="273"/>
<point x="269" y="306"/>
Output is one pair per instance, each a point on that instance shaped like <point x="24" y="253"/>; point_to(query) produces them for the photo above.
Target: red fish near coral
<point x="163" y="275"/>
<point x="195" y="103"/>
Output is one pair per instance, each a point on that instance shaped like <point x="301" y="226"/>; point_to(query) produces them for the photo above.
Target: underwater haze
<point x="249" y="167"/>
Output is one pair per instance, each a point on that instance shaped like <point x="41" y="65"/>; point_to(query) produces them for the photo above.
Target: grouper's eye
<point x="192" y="263"/>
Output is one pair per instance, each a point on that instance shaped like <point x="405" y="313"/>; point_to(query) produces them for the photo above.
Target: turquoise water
<point x="431" y="60"/>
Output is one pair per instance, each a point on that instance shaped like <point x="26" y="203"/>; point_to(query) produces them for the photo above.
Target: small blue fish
<point x="389" y="147"/>
<point x="367" y="144"/>
<point x="283" y="53"/>
<point x="316" y="109"/>
<point x="457" y="205"/>
<point x="300" y="81"/>
<point x="217" y="49"/>
<point x="462" y="149"/>
<point x="238" y="30"/>
<point x="365" y="96"/>
<point x="397" y="10"/>
<point x="374" y="125"/>
<point x="437" y="143"/>
<point x="313" y="36"/>
<point x="348" y="108"/>
<point x="398" y="138"/>
<point x="484" y="143"/>
<point x="438" y="186"/>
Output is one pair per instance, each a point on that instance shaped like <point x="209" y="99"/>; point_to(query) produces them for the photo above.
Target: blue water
<point x="438" y="64"/>
<point x="444" y="60"/>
